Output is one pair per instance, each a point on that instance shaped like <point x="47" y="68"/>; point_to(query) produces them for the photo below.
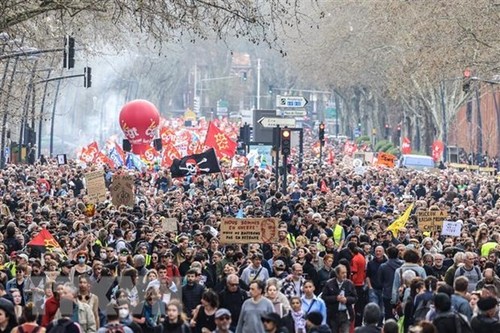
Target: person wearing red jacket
<point x="358" y="277"/>
<point x="51" y="304"/>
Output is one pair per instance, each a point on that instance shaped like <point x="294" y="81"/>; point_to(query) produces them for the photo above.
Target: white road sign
<point x="290" y="101"/>
<point x="273" y="122"/>
<point x="291" y="113"/>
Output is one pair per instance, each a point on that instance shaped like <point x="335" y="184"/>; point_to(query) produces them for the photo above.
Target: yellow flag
<point x="400" y="222"/>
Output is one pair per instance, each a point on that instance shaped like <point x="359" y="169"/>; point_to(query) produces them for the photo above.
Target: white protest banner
<point x="451" y="228"/>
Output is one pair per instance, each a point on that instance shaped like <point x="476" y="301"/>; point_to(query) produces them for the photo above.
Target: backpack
<point x="421" y="310"/>
<point x="60" y="327"/>
<point x="461" y="323"/>
<point x="36" y="329"/>
<point x="114" y="328"/>
<point x="461" y="271"/>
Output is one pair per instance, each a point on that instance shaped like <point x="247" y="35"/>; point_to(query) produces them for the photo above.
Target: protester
<point x="166" y="245"/>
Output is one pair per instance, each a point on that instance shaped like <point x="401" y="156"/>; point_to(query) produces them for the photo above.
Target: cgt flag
<point x="195" y="164"/>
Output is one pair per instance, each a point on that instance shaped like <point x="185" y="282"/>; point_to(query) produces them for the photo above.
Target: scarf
<point x="299" y="321"/>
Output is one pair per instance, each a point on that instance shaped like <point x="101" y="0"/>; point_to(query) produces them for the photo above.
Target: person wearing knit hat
<point x="314" y="320"/>
<point x="486" y="320"/>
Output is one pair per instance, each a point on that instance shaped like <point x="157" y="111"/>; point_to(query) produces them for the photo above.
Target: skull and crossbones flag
<point x="195" y="164"/>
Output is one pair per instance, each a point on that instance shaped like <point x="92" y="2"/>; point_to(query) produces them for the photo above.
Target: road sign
<point x="273" y="122"/>
<point x="291" y="113"/>
<point x="290" y="101"/>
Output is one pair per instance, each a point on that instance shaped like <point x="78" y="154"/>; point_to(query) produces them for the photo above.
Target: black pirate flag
<point x="195" y="164"/>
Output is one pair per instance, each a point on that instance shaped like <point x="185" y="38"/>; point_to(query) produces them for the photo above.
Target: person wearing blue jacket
<point x="385" y="274"/>
<point x="312" y="303"/>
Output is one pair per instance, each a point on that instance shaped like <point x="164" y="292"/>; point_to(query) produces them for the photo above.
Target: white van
<point x="417" y="162"/>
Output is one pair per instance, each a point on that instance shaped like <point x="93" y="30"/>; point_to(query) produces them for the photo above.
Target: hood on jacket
<point x="321" y="329"/>
<point x="394" y="263"/>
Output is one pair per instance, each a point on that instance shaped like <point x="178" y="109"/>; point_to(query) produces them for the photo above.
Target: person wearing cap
<point x="487" y="320"/>
<point x="222" y="321"/>
<point x="255" y="271"/>
<point x="314" y="323"/>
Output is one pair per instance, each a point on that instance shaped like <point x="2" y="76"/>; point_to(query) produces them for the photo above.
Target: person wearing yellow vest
<point x="487" y="247"/>
<point x="338" y="234"/>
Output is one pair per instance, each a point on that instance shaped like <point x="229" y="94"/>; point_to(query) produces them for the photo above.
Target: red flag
<point x="437" y="150"/>
<point x="120" y="151"/>
<point x="350" y="148"/>
<point x="167" y="136"/>
<point x="169" y="154"/>
<point x="89" y="153"/>
<point x="45" y="239"/>
<point x="222" y="144"/>
<point x="149" y="155"/>
<point x="323" y="188"/>
<point x="406" y="146"/>
<point x="331" y="156"/>
<point x="101" y="158"/>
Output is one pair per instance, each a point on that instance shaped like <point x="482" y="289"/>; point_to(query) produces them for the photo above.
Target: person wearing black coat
<point x="486" y="321"/>
<point x="339" y="295"/>
<point x="232" y="298"/>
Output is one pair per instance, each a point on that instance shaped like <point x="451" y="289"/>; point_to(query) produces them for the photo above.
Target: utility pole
<point x="258" y="84"/>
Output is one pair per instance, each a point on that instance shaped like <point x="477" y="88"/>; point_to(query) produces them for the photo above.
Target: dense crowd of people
<point x="335" y="267"/>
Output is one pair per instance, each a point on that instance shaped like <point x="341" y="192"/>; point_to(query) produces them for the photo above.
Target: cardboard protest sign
<point x="248" y="230"/>
<point x="432" y="220"/>
<point x="96" y="188"/>
<point x="122" y="190"/>
<point x="451" y="228"/>
<point x="169" y="224"/>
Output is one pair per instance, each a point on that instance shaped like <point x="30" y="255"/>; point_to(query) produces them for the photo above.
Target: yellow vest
<point x="486" y="248"/>
<point x="337" y="234"/>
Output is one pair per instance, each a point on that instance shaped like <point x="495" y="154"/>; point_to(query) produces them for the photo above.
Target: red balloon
<point x="139" y="120"/>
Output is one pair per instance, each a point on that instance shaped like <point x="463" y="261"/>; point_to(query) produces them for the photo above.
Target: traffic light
<point x="322" y="133"/>
<point x="69" y="52"/>
<point x="245" y="134"/>
<point x="244" y="77"/>
<point x="286" y="145"/>
<point x="87" y="77"/>
<point x="387" y="130"/>
<point x="270" y="90"/>
<point x="398" y="129"/>
<point x="466" y="81"/>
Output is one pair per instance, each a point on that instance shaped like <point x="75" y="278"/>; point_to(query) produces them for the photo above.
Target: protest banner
<point x="386" y="159"/>
<point x="451" y="228"/>
<point x="96" y="188"/>
<point x="122" y="190"/>
<point x="248" y="230"/>
<point x="431" y="220"/>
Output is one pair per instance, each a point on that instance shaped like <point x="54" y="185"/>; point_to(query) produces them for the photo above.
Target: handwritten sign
<point x="122" y="190"/>
<point x="248" y="230"/>
<point x="169" y="224"/>
<point x="386" y="159"/>
<point x="432" y="220"/>
<point x="96" y="188"/>
<point x="451" y="228"/>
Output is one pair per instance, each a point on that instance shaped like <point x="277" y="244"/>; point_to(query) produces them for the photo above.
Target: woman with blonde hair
<point x="30" y="316"/>
<point x="279" y="300"/>
<point x="176" y="321"/>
